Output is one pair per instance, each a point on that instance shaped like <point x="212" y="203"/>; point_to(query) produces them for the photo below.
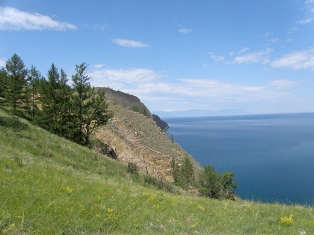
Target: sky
<point x="255" y="56"/>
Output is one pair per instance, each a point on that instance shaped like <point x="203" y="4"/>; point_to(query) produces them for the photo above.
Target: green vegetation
<point x="49" y="185"/>
<point x="71" y="112"/>
<point x="183" y="174"/>
<point x="214" y="185"/>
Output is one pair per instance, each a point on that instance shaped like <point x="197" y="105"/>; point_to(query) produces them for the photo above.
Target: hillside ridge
<point x="136" y="138"/>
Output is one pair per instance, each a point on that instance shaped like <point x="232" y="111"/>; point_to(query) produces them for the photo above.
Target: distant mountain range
<point x="200" y="113"/>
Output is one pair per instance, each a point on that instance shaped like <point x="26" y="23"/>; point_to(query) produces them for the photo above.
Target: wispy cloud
<point x="98" y="66"/>
<point x="303" y="59"/>
<point x="310" y="7"/>
<point x="14" y="19"/>
<point x="122" y="78"/>
<point x="306" y="21"/>
<point x="153" y="88"/>
<point x="215" y="57"/>
<point x="253" y="57"/>
<point x="129" y="43"/>
<point x="245" y="49"/>
<point x="185" y="30"/>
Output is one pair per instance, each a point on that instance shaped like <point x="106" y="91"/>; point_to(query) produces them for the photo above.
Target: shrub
<point x="183" y="175"/>
<point x="132" y="168"/>
<point x="214" y="185"/>
<point x="159" y="183"/>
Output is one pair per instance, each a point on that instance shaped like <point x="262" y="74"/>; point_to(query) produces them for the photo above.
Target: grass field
<point x="49" y="185"/>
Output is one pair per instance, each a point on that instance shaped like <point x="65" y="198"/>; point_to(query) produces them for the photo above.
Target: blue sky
<point x="256" y="56"/>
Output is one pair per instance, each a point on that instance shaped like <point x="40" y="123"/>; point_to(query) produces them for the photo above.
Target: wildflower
<point x="286" y="220"/>
<point x="202" y="208"/>
<point x="109" y="210"/>
<point x="153" y="197"/>
<point x="97" y="215"/>
<point x="66" y="188"/>
<point x="11" y="226"/>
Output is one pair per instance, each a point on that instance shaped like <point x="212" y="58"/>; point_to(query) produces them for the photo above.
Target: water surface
<point x="271" y="155"/>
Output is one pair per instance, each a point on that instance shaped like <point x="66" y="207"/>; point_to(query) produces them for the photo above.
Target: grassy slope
<point x="51" y="186"/>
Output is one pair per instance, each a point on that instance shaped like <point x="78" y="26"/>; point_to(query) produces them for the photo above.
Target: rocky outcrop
<point x="162" y="124"/>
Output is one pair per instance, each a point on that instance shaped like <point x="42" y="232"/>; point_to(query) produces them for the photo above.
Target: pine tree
<point x="183" y="175"/>
<point x="3" y="82"/>
<point x="16" y="92"/>
<point x="35" y="79"/>
<point x="89" y="107"/>
<point x="55" y="100"/>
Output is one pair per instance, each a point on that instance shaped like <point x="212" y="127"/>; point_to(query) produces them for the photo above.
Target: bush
<point x="214" y="185"/>
<point x="132" y="168"/>
<point x="159" y="183"/>
<point x="183" y="175"/>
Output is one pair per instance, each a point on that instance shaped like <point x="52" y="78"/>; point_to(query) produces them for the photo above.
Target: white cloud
<point x="2" y="62"/>
<point x="282" y="84"/>
<point x="14" y="19"/>
<point x="122" y="78"/>
<point x="217" y="58"/>
<point x="158" y="93"/>
<point x="303" y="59"/>
<point x="254" y="57"/>
<point x="310" y="7"/>
<point x="245" y="49"/>
<point x="185" y="30"/>
<point x="129" y="43"/>
<point x="306" y="21"/>
<point x="98" y="66"/>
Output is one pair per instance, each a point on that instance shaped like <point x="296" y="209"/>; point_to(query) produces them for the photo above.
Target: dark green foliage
<point x="159" y="183"/>
<point x="3" y="82"/>
<point x="183" y="174"/>
<point x="141" y="109"/>
<point x="171" y="137"/>
<point x="89" y="106"/>
<point x="35" y="79"/>
<point x="132" y="168"/>
<point x="56" y="103"/>
<point x="135" y="108"/>
<point x="70" y="112"/>
<point x="16" y="82"/>
<point x="214" y="185"/>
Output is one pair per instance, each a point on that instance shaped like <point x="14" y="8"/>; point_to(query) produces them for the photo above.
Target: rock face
<point x="162" y="124"/>
<point x="136" y="138"/>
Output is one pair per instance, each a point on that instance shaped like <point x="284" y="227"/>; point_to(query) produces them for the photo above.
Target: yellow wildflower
<point x="286" y="220"/>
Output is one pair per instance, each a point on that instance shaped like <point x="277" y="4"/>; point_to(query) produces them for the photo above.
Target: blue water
<point x="271" y="155"/>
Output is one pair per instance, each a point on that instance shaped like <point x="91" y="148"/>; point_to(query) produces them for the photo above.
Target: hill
<point x="131" y="102"/>
<point x="127" y="101"/>
<point x="49" y="185"/>
<point x="136" y="138"/>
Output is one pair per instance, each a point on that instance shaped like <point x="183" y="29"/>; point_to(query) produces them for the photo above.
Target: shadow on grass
<point x="13" y="123"/>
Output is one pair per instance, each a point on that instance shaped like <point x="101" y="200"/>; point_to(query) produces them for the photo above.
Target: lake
<point x="271" y="155"/>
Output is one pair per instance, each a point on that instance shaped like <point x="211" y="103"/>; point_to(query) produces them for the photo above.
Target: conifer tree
<point x="55" y="101"/>
<point x="16" y="94"/>
<point x="3" y="81"/>
<point x="35" y="78"/>
<point x="183" y="175"/>
<point x="89" y="107"/>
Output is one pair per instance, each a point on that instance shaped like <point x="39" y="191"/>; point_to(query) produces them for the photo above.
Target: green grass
<point x="49" y="185"/>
